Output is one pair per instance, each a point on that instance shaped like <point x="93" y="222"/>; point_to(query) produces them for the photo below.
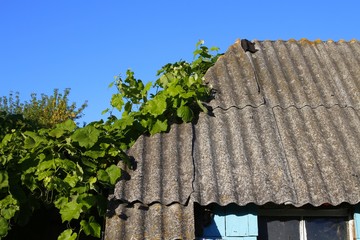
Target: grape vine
<point x="73" y="169"/>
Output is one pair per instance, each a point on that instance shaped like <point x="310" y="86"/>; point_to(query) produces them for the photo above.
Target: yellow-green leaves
<point x="156" y="106"/>
<point x="68" y="234"/>
<point x="70" y="210"/>
<point x="180" y="93"/>
<point x="117" y="101"/>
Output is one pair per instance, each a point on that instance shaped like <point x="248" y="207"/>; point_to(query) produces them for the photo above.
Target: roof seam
<point x="240" y="108"/>
<point x="287" y="107"/>
<point x="315" y="107"/>
<point x="285" y="155"/>
<point x="193" y="163"/>
<point x="248" y="54"/>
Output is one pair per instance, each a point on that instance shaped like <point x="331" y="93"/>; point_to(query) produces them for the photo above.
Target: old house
<point x="278" y="157"/>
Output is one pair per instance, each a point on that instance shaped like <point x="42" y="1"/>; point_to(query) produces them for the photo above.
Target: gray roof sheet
<point x="286" y="129"/>
<point x="164" y="168"/>
<point x="135" y="221"/>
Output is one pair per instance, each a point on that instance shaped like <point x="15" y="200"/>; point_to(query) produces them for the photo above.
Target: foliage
<point x="74" y="168"/>
<point x="180" y="95"/>
<point x="44" y="112"/>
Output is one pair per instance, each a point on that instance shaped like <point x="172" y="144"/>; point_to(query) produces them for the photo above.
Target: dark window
<point x="326" y="228"/>
<point x="279" y="228"/>
<point x="302" y="228"/>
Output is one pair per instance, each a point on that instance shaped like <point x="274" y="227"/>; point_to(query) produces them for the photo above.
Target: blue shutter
<point x="357" y="222"/>
<point x="233" y="223"/>
<point x="241" y="222"/>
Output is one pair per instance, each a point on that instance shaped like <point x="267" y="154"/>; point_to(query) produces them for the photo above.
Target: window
<point x="300" y="224"/>
<point x="276" y="222"/>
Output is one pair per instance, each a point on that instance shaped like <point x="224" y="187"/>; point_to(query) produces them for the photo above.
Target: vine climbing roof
<point x="284" y="128"/>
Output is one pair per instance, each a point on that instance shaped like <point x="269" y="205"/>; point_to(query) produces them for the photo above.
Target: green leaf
<point x="156" y="106"/>
<point x="86" y="200"/>
<point x="8" y="207"/>
<point x="6" y="139"/>
<point x="89" y="163"/>
<point x="4" y="179"/>
<point x="94" y="154"/>
<point x="29" y="143"/>
<point x="103" y="176"/>
<point x="114" y="173"/>
<point x="175" y="90"/>
<point x="185" y="113"/>
<point x="111" y="84"/>
<point x="9" y="212"/>
<point x="67" y="126"/>
<point x="70" y="210"/>
<point x="117" y="101"/>
<point x="4" y="227"/>
<point x="86" y="137"/>
<point x="159" y="126"/>
<point x="105" y="111"/>
<point x="146" y="88"/>
<point x="50" y="164"/>
<point x="71" y="180"/>
<point x="199" y="43"/>
<point x="57" y="132"/>
<point x="68" y="234"/>
<point x="60" y="202"/>
<point x="91" y="228"/>
<point x="203" y="108"/>
<point x="32" y="140"/>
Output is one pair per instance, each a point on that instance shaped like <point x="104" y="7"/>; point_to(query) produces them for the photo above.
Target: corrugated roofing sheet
<point x="153" y="222"/>
<point x="292" y="155"/>
<point x="286" y="129"/>
<point x="164" y="168"/>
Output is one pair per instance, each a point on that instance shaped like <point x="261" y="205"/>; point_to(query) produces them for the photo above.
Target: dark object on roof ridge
<point x="248" y="46"/>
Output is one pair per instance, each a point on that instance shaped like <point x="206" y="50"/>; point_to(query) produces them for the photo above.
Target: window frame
<point x="311" y="212"/>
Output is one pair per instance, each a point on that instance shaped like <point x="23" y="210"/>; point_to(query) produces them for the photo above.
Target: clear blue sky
<point x="82" y="44"/>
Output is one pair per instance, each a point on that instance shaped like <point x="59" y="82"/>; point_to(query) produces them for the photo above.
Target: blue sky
<point x="82" y="44"/>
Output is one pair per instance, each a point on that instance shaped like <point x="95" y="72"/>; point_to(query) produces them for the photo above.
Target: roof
<point x="285" y="129"/>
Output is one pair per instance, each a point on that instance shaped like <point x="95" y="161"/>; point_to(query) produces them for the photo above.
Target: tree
<point x="45" y="112"/>
<point x="73" y="169"/>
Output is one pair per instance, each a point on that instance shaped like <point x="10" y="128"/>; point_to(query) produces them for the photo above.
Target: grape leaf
<point x="114" y="173"/>
<point x="86" y="137"/>
<point x="70" y="210"/>
<point x="185" y="113"/>
<point x="4" y="227"/>
<point x="67" y="235"/>
<point x="91" y="228"/>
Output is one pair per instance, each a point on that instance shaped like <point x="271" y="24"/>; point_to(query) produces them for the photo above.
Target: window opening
<point x="304" y="224"/>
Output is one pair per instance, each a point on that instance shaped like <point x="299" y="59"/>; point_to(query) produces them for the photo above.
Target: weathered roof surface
<point x="293" y="155"/>
<point x="164" y="168"/>
<point x="286" y="129"/>
<point x="154" y="222"/>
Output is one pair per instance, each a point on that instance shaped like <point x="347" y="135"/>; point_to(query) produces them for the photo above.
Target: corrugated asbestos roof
<point x="286" y="129"/>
